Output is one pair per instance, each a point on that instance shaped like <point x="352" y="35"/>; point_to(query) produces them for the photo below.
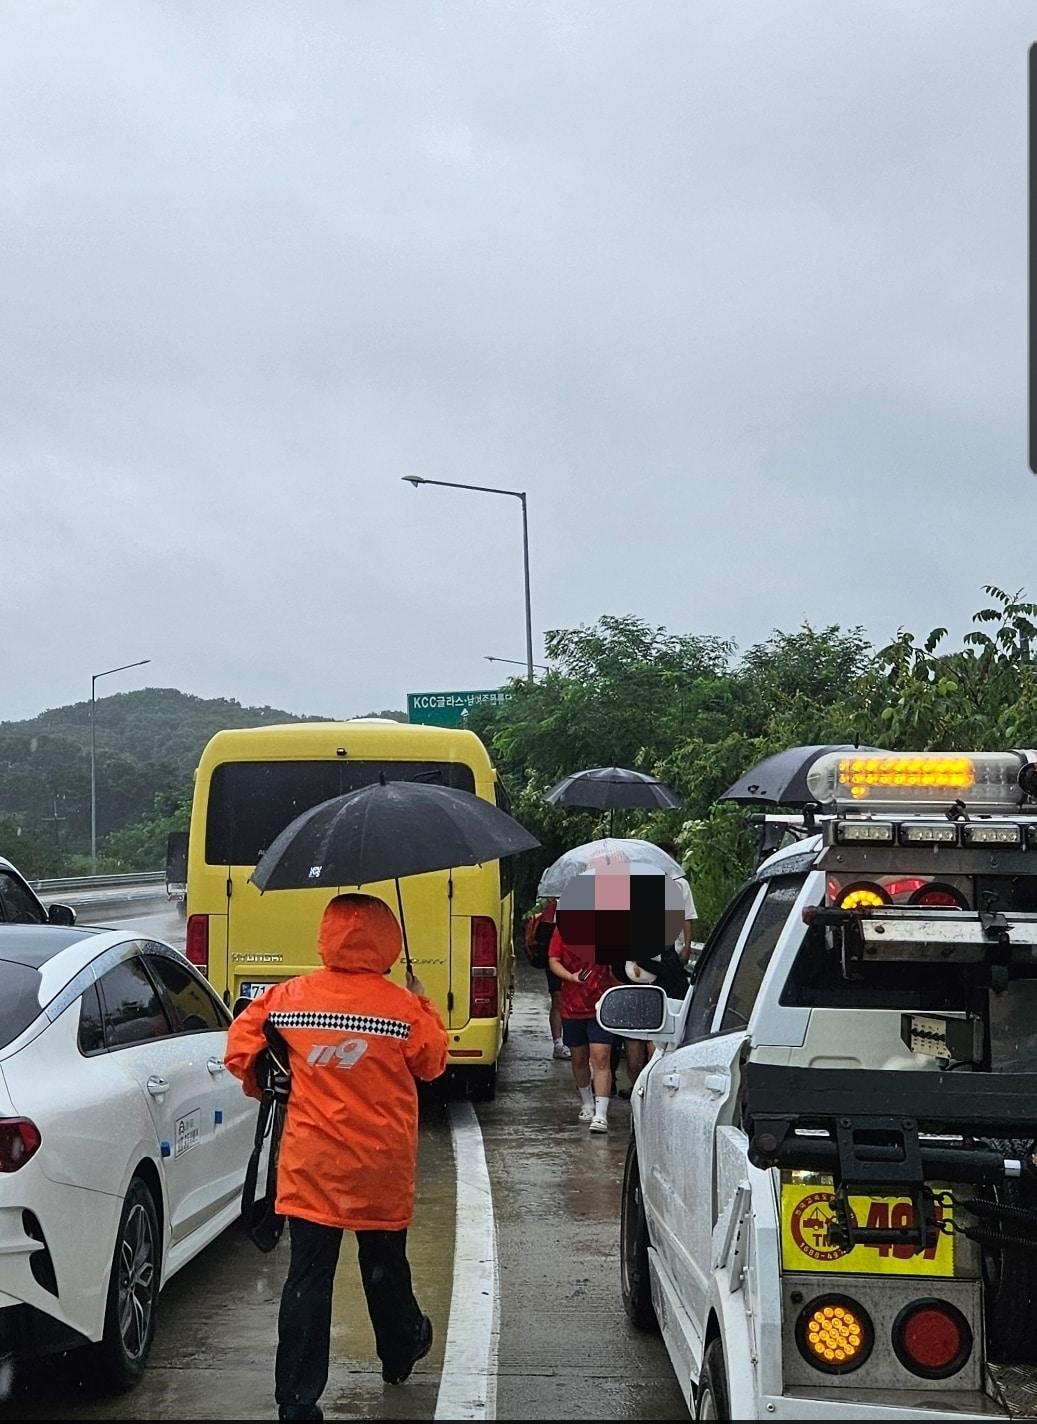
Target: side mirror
<point x="240" y="1005"/>
<point x="61" y="915"/>
<point x="633" y="1009"/>
<point x="176" y="858"/>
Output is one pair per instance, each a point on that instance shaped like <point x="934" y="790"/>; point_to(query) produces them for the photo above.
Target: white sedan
<point x="123" y="1141"/>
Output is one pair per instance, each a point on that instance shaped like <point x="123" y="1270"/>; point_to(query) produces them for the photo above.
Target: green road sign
<point x="450" y="709"/>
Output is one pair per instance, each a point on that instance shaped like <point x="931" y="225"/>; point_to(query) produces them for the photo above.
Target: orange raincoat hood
<point x="359" y="935"/>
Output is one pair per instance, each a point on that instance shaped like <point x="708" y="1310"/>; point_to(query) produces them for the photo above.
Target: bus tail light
<point x="197" y="948"/>
<point x="932" y="1338"/>
<point x="484" y="989"/>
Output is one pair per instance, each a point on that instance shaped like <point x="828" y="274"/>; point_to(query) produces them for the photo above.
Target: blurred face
<point x="619" y="914"/>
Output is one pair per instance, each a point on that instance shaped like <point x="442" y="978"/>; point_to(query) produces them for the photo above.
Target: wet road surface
<point x="565" y="1348"/>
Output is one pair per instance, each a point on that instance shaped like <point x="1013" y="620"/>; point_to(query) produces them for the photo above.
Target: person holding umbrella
<point x="357" y="1043"/>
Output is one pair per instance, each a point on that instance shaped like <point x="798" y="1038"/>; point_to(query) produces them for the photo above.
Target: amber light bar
<point x="982" y="781"/>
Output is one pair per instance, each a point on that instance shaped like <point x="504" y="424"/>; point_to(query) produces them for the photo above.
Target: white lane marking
<point x="468" y="1383"/>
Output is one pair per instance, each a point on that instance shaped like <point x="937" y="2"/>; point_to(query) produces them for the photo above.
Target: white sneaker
<point x="561" y="1050"/>
<point x="598" y="1124"/>
<point x="586" y="1115"/>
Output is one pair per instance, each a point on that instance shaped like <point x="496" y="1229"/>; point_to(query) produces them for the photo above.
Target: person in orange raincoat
<point x="356" y="1044"/>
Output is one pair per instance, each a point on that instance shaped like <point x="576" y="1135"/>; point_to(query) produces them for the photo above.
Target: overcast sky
<point x="735" y="291"/>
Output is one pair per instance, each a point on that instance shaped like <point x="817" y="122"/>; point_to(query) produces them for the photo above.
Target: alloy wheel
<point x="137" y="1279"/>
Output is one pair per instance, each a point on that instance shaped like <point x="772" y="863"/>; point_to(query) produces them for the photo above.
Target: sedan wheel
<point x="137" y="1278"/>
<point x="129" y="1324"/>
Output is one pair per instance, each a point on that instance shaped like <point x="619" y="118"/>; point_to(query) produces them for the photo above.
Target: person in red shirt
<point x="583" y="983"/>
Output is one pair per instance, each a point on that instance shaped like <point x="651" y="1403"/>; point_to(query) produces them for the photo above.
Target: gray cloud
<point x="735" y="290"/>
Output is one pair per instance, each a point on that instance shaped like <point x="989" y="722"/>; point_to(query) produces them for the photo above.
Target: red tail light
<point x="484" y="994"/>
<point x="197" y="950"/>
<point x="19" y="1140"/>
<point x="932" y="1338"/>
<point x="941" y="897"/>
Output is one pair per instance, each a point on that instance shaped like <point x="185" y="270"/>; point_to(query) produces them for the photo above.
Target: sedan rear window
<point x="132" y="1011"/>
<point x="19" y="999"/>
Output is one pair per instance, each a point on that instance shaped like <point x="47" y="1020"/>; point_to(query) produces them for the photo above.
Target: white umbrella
<point x="600" y="855"/>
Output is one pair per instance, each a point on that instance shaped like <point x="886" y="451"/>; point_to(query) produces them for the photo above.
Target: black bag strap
<point x="262" y="1221"/>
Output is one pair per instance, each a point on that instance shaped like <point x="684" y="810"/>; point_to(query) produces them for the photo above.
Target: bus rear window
<point x="250" y="802"/>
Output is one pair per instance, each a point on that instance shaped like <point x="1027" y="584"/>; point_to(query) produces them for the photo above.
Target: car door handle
<point x="157" y="1086"/>
<point x="717" y="1083"/>
<point x="215" y="1065"/>
<point x="672" y="1081"/>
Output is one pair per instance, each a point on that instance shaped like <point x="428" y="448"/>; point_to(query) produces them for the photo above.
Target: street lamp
<point x="93" y="755"/>
<point x="417" y="480"/>
<point x="491" y="659"/>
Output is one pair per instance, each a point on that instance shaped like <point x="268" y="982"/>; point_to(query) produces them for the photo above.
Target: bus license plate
<point x="253" y="990"/>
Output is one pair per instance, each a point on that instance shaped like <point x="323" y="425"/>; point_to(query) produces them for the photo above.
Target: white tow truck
<point x="830" y="1199"/>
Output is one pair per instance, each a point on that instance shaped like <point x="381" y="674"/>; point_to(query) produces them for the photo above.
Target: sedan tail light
<point x="197" y="947"/>
<point x="19" y="1140"/>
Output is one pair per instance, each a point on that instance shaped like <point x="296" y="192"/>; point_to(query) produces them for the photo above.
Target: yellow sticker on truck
<point x="807" y="1211"/>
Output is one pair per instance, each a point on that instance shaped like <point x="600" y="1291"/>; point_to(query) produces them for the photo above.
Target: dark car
<point x="20" y="905"/>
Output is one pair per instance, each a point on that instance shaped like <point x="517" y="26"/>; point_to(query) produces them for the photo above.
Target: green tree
<point x="693" y="713"/>
<point x="981" y="697"/>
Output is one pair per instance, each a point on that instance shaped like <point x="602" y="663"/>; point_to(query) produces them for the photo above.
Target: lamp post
<point x="516" y="661"/>
<point x="417" y="480"/>
<point x="93" y="754"/>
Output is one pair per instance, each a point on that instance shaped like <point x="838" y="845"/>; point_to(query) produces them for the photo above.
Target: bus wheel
<point x="482" y="1084"/>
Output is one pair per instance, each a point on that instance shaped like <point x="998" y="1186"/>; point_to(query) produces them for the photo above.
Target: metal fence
<point x="99" y="882"/>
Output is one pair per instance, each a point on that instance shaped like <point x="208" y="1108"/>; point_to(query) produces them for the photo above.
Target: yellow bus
<point x="250" y="783"/>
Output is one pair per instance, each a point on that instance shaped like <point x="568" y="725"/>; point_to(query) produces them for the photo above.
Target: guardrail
<point x="99" y="882"/>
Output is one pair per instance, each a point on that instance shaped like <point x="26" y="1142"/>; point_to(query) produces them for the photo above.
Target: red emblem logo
<point x="811" y="1218"/>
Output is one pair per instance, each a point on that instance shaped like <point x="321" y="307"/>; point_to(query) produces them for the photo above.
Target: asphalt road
<point x="532" y="1273"/>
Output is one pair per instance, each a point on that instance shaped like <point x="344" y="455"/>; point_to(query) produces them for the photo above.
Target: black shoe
<point x="421" y="1349"/>
<point x="300" y="1411"/>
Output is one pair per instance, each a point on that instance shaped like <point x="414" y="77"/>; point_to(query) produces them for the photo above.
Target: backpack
<point x="539" y="930"/>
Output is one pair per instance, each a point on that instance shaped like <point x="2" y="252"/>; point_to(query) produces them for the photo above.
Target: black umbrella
<point x="611" y="788"/>
<point x="384" y="832"/>
<point x="781" y="779"/>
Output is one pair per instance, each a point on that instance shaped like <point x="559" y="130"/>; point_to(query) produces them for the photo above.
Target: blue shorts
<point x="576" y="1033"/>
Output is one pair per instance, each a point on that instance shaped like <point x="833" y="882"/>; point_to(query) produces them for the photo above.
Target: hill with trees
<point x="147" y="745"/>
<point x="690" y="708"/>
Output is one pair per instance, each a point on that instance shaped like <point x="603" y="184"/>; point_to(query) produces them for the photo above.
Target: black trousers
<point x="304" y="1322"/>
